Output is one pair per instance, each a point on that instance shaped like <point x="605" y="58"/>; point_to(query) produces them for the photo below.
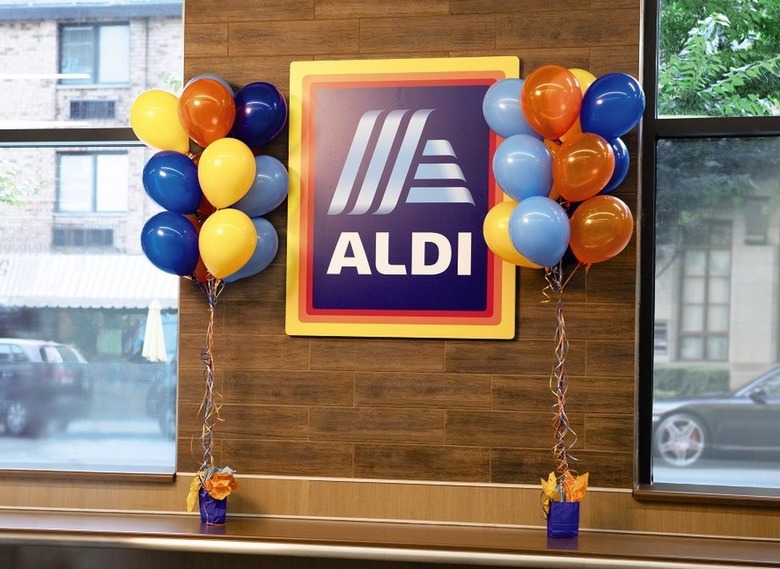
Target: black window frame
<point x="654" y="129"/>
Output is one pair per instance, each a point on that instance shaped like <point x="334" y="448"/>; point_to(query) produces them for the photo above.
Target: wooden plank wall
<point x="403" y="409"/>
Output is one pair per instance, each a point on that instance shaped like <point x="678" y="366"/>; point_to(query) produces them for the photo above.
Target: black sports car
<point x="744" y="421"/>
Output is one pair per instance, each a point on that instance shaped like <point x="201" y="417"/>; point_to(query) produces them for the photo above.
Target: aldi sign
<point x="390" y="182"/>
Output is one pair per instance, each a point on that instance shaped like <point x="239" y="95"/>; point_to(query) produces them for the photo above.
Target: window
<point x="92" y="182"/>
<point x="88" y="326"/>
<point x="709" y="343"/>
<point x="705" y="293"/>
<point x="94" y="54"/>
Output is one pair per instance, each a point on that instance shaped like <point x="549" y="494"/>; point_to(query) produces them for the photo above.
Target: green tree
<point x="719" y="58"/>
<point x="13" y="188"/>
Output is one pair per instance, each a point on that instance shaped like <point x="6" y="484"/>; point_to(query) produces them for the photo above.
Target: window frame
<point x="95" y="165"/>
<point x="97" y="54"/>
<point x="654" y="129"/>
<point x="115" y="139"/>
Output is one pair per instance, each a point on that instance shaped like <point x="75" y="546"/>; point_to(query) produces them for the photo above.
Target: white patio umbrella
<point x="154" y="337"/>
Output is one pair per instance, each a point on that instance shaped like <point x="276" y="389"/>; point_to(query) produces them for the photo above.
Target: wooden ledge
<point x="427" y="544"/>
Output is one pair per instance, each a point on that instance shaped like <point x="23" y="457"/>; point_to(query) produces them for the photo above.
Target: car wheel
<point x="680" y="439"/>
<point x="18" y="419"/>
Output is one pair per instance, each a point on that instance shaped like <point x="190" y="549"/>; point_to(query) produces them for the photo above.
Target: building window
<point x="705" y="293"/>
<point x="710" y="249"/>
<point x="94" y="54"/>
<point x="93" y="182"/>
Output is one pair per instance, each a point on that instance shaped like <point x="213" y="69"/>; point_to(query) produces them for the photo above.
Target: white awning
<point x="84" y="281"/>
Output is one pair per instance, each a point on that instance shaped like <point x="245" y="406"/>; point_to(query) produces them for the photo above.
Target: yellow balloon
<point x="584" y="78"/>
<point x="495" y="229"/>
<point x="154" y="118"/>
<point x="227" y="241"/>
<point x="226" y="171"/>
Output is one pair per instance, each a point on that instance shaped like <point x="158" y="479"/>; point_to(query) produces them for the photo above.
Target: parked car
<point x="42" y="385"/>
<point x="743" y="422"/>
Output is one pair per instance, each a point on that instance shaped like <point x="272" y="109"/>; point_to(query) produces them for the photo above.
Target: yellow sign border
<point x="503" y="327"/>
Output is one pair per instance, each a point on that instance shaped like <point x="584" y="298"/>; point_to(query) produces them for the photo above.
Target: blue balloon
<point x="261" y="113"/>
<point x="612" y="105"/>
<point x="539" y="229"/>
<point x="171" y="180"/>
<point x="268" y="190"/>
<point x="170" y="241"/>
<point x="265" y="251"/>
<point x="522" y="166"/>
<point x="503" y="110"/>
<point x="622" y="161"/>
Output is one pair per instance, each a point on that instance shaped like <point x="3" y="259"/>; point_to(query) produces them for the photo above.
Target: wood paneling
<point x="293" y="37"/>
<point x="416" y="409"/>
<point x="388" y="35"/>
<point x="417" y="462"/>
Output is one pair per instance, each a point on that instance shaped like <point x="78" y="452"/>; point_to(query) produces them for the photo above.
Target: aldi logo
<point x="391" y="179"/>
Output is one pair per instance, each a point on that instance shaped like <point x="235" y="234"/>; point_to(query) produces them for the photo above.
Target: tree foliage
<point x="14" y="188"/>
<point x="719" y="58"/>
<point x="716" y="58"/>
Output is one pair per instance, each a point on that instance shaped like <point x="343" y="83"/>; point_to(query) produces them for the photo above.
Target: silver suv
<point x="43" y="385"/>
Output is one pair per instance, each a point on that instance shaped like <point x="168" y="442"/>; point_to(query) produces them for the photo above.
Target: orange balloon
<point x="551" y="99"/>
<point x="207" y="110"/>
<point x="601" y="227"/>
<point x="582" y="167"/>
<point x="572" y="132"/>
<point x="495" y="229"/>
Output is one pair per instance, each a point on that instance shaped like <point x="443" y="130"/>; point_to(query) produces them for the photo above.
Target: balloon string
<point x="211" y="403"/>
<point x="564" y="435"/>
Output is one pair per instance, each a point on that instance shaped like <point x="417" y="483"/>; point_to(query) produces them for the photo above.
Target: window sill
<point x="427" y="544"/>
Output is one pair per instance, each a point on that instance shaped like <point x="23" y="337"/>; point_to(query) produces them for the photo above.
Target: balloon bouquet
<point x="559" y="162"/>
<point x="214" y="187"/>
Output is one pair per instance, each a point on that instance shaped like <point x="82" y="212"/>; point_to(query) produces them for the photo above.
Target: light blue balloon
<point x="268" y="190"/>
<point x="216" y="78"/>
<point x="539" y="229"/>
<point x="522" y="166"/>
<point x="503" y="111"/>
<point x="265" y="251"/>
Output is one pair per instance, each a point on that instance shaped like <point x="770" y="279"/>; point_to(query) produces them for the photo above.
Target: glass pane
<point x="693" y="290"/>
<point x="78" y="54"/>
<point x="718" y="319"/>
<point x="717" y="348"/>
<point x="691" y="348"/>
<point x="695" y="262"/>
<point x="53" y="70"/>
<point x="114" y="64"/>
<point x="719" y="59"/>
<point x="707" y="429"/>
<point x="76" y="182"/>
<point x="719" y="291"/>
<point x="96" y="321"/>
<point x="693" y="319"/>
<point x="720" y="262"/>
<point x="111" y="184"/>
